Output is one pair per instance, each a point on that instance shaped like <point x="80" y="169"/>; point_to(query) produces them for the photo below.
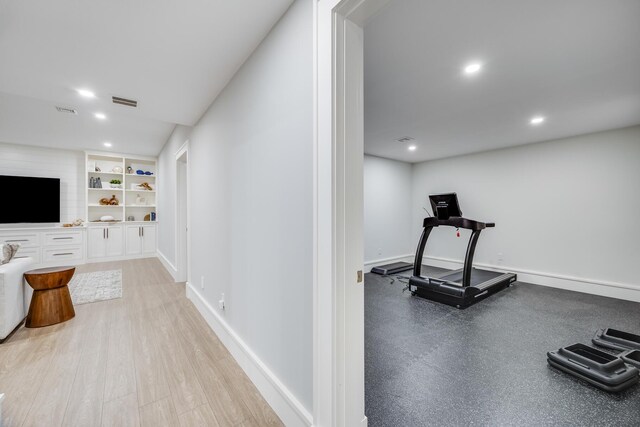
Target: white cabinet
<point x="48" y="246"/>
<point x="29" y="242"/>
<point x="149" y="239"/>
<point x="105" y="242"/>
<point x="141" y="240"/>
<point x="134" y="240"/>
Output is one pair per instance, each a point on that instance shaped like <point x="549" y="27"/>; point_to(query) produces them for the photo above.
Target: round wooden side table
<point x="51" y="300"/>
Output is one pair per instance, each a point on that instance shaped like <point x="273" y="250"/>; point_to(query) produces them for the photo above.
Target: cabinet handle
<point x="62" y="238"/>
<point x="139" y="234"/>
<point x="17" y="240"/>
<point x="66" y="253"/>
<point x="104" y="233"/>
<point x="107" y="233"/>
<point x="142" y="228"/>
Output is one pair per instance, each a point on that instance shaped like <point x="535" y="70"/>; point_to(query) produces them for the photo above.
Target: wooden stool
<point x="51" y="301"/>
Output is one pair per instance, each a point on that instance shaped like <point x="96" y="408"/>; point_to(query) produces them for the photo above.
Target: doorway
<point x="182" y="213"/>
<point x="338" y="219"/>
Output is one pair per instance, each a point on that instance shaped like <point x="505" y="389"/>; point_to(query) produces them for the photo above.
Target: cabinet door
<point x="96" y="242"/>
<point x="115" y="241"/>
<point x="149" y="239"/>
<point x="134" y="240"/>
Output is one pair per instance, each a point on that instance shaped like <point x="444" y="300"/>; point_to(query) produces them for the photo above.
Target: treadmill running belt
<point x="477" y="276"/>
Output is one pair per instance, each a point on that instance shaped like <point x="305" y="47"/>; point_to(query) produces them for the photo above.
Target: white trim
<point x="338" y="386"/>
<point x="182" y="151"/>
<point x="167" y="264"/>
<point x="184" y="148"/>
<point x="283" y="402"/>
<point x="618" y="290"/>
<point x="368" y="265"/>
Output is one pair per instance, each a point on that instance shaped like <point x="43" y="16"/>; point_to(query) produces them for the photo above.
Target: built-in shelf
<point x="105" y="222"/>
<point x="106" y="173"/>
<point x="128" y="197"/>
<point x="139" y="176"/>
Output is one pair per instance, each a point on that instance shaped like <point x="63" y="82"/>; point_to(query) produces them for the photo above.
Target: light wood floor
<point x="146" y="359"/>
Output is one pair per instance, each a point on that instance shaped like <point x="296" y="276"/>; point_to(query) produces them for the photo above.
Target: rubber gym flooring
<point x="428" y="364"/>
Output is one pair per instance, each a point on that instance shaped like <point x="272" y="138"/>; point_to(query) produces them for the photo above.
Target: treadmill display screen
<point x="445" y="205"/>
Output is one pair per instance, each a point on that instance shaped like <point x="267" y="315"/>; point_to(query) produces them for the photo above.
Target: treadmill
<point x="468" y="285"/>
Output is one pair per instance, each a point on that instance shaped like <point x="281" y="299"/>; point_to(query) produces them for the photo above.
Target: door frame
<point x="182" y="225"/>
<point x="338" y="333"/>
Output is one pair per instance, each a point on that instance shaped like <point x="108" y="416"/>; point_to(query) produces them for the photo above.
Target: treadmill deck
<point x="478" y="276"/>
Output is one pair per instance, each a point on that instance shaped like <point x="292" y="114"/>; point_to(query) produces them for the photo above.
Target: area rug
<point x="96" y="286"/>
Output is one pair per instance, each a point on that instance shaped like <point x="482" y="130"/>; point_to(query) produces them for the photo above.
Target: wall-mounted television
<point x="29" y="200"/>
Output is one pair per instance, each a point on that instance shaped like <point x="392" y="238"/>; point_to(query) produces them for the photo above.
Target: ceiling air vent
<point x="66" y="110"/>
<point x="405" y="139"/>
<point x="124" y="101"/>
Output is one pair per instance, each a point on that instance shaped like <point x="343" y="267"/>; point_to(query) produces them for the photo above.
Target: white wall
<point x="562" y="208"/>
<point x="251" y="213"/>
<point x="387" y="209"/>
<point x="25" y="160"/>
<point x="167" y="200"/>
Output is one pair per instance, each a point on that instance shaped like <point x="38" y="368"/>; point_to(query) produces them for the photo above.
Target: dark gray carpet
<point x="428" y="364"/>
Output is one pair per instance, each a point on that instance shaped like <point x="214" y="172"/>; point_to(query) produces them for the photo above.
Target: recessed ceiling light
<point x="107" y="144"/>
<point x="86" y="93"/>
<point x="100" y="116"/>
<point x="472" y="68"/>
<point x="412" y="148"/>
<point x="537" y="120"/>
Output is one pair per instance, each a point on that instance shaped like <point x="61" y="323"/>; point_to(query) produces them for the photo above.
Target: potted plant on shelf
<point x="115" y="183"/>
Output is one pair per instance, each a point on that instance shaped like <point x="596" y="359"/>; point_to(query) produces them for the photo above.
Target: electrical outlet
<point x="221" y="302"/>
<point x="500" y="258"/>
<point x="201" y="282"/>
<point x="379" y="251"/>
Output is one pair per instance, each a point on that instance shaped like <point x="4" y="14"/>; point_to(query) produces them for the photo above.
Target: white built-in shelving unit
<point x="132" y="233"/>
<point x="134" y="202"/>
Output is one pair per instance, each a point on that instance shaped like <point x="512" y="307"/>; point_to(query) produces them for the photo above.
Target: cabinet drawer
<point x="72" y="253"/>
<point x="23" y="239"/>
<point x="33" y="252"/>
<point x="59" y="239"/>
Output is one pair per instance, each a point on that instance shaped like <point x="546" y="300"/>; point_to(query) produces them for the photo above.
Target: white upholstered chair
<point x="13" y="305"/>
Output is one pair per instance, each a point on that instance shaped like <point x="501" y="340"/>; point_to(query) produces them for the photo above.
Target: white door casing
<point x="182" y="213"/>
<point x="338" y="211"/>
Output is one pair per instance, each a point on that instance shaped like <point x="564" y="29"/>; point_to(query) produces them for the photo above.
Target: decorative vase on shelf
<point x="98" y="183"/>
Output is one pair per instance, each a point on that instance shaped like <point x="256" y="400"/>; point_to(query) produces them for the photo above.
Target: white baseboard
<point x="368" y="265"/>
<point x="283" y="402"/>
<point x="577" y="284"/>
<point x="168" y="265"/>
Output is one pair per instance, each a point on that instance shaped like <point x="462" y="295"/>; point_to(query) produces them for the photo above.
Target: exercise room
<point x="502" y="149"/>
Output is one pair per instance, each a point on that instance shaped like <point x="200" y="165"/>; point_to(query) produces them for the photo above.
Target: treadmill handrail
<point x="458" y="222"/>
<point x="455" y="221"/>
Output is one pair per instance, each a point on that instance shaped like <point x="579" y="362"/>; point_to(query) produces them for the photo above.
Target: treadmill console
<point x="445" y="206"/>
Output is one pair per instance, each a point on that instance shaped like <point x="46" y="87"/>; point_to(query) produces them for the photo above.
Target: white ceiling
<point x="577" y="62"/>
<point x="172" y="56"/>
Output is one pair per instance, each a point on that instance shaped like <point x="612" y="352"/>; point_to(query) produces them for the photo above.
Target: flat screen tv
<point x="29" y="200"/>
